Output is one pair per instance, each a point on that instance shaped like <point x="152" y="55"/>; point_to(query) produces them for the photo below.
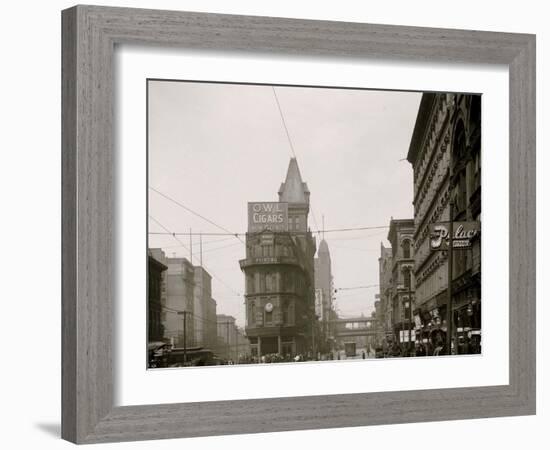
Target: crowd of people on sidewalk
<point x="429" y="348"/>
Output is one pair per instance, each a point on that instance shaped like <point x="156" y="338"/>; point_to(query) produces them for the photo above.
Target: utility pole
<point x="450" y="281"/>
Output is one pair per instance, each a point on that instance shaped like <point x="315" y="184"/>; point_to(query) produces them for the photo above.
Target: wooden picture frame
<point x="90" y="34"/>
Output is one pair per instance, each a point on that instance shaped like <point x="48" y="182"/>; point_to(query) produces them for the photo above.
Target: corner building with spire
<point x="279" y="272"/>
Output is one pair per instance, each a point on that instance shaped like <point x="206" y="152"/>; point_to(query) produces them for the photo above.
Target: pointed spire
<point x="323" y="247"/>
<point x="293" y="190"/>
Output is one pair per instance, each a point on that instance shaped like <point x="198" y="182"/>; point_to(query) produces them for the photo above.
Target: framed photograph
<point x="277" y="224"/>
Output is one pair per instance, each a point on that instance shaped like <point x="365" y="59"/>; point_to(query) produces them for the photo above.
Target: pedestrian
<point x="438" y="347"/>
<point x="395" y="350"/>
<point x="363" y="354"/>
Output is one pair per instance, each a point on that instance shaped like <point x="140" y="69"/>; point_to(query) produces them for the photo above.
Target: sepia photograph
<point x="290" y="224"/>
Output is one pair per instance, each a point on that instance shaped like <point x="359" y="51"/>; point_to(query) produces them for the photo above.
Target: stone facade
<point x="279" y="278"/>
<point x="180" y="296"/>
<point x="156" y="301"/>
<point x="402" y="279"/>
<point x="445" y="153"/>
<point x="385" y="314"/>
<point x="202" y="295"/>
<point x="185" y="287"/>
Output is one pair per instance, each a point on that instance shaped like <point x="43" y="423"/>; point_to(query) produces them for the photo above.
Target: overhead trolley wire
<point x="335" y="230"/>
<point x="212" y="274"/>
<point x="181" y="205"/>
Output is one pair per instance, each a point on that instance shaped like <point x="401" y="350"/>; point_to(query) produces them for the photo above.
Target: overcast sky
<point x="215" y="147"/>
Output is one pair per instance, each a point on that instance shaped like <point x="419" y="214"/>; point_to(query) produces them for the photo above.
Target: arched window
<point x="406" y="248"/>
<point x="475" y="111"/>
<point x="407" y="278"/>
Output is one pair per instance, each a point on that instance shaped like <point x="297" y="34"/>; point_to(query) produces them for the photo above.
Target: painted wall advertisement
<point x="271" y="216"/>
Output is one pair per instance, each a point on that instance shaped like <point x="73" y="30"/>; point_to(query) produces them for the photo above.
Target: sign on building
<point x="404" y="336"/>
<point x="319" y="303"/>
<point x="271" y="216"/>
<point x="463" y="235"/>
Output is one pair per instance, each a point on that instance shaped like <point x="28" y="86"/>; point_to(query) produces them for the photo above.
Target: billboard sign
<point x="463" y="235"/>
<point x="272" y="216"/>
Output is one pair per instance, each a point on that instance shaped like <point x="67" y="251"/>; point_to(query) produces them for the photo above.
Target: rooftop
<point x="293" y="190"/>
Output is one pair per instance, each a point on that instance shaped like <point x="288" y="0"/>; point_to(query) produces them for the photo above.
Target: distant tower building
<point x="204" y="309"/>
<point x="227" y="337"/>
<point x="180" y="296"/>
<point x="279" y="272"/>
<point x="323" y="283"/>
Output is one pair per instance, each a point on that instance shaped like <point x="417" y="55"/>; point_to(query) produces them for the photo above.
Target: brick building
<point x="402" y="279"/>
<point x="155" y="299"/>
<point x="445" y="153"/>
<point x="279" y="272"/>
<point x="385" y="315"/>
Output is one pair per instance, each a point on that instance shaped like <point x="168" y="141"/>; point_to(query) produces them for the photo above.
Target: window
<point x="406" y="307"/>
<point x="268" y="282"/>
<point x="267" y="250"/>
<point x="475" y="178"/>
<point x="268" y="317"/>
<point x="251" y="313"/>
<point x="249" y="284"/>
<point x="407" y="278"/>
<point x="290" y="313"/>
<point x="406" y="248"/>
<point x="459" y="169"/>
<point x="257" y="283"/>
<point x="289" y="281"/>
